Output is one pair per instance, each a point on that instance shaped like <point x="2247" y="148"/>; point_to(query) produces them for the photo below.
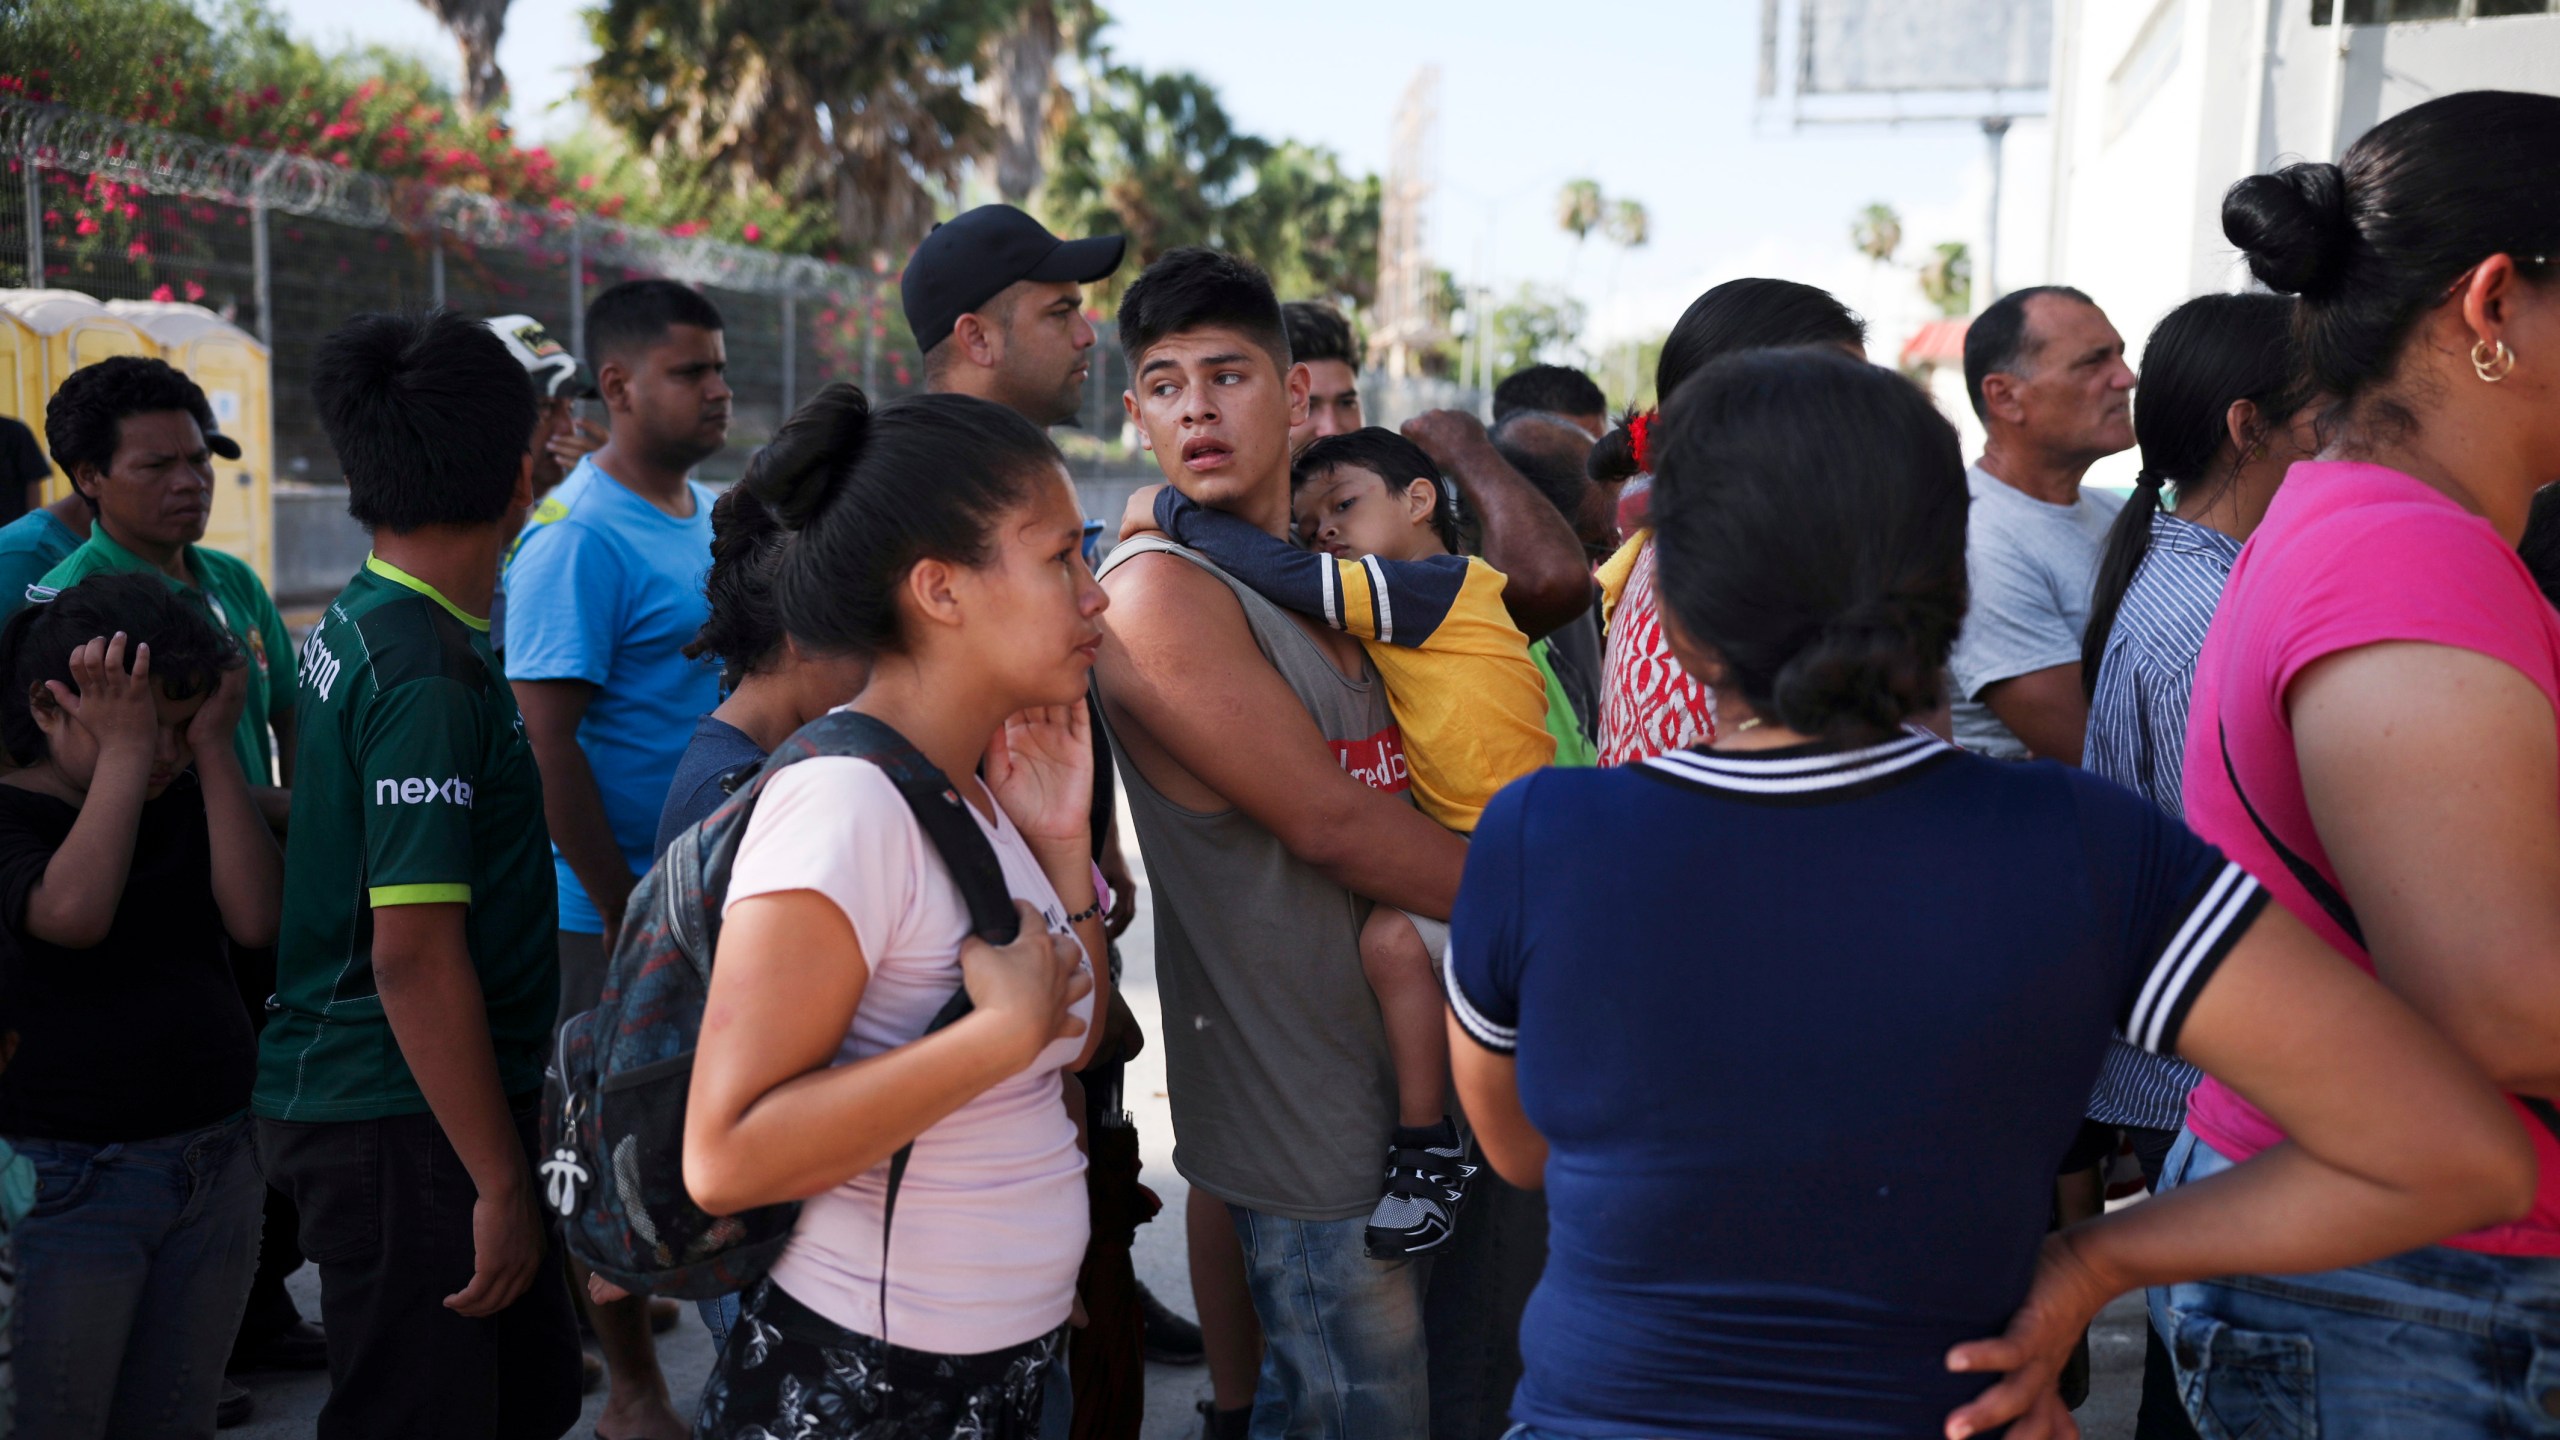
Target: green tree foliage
<point x="1538" y="323"/>
<point x="1154" y="157"/>
<point x="1313" y="226"/>
<point x="1947" y="278"/>
<point x="864" y="108"/>
<point x="1877" y="232"/>
<point x="1157" y="158"/>
<point x="234" y="74"/>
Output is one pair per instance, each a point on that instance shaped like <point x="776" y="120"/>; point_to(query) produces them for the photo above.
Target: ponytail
<point x="2128" y="541"/>
<point x="2202" y="358"/>
<point x="865" y="494"/>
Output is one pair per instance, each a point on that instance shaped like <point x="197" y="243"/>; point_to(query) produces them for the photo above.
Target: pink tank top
<point x="2349" y="555"/>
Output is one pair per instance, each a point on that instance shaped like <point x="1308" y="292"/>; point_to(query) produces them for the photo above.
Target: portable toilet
<point x="56" y="332"/>
<point x="231" y="366"/>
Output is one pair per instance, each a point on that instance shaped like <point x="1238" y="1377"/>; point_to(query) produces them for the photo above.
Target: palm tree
<point x="1154" y="157"/>
<point x="476" y="26"/>
<point x="862" y="107"/>
<point x="1579" y="210"/>
<point x="1019" y="89"/>
<point x="1877" y="232"/>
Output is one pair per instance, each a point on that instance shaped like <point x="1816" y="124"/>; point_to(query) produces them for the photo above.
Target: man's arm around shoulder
<point x="1211" y="724"/>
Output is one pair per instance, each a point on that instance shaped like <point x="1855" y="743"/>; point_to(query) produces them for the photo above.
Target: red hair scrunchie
<point x="1640" y="439"/>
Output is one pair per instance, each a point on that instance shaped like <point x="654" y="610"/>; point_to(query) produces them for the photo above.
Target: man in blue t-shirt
<point x="603" y="593"/>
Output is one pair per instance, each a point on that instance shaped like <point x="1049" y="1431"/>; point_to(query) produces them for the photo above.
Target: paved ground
<point x="288" y="1403"/>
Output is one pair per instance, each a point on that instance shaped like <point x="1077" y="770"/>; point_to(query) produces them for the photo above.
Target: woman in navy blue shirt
<point x="1796" y="1064"/>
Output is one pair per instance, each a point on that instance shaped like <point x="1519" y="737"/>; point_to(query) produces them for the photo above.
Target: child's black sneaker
<point x="1427" y="1175"/>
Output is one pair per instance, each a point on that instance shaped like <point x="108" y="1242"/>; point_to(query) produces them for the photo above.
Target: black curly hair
<point x="84" y="421"/>
<point x="188" y="651"/>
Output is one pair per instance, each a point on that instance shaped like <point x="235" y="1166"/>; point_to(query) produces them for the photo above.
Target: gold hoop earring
<point x="2492" y="364"/>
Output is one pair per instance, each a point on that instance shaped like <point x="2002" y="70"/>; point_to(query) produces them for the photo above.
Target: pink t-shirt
<point x="2350" y="555"/>
<point x="991" y="1216"/>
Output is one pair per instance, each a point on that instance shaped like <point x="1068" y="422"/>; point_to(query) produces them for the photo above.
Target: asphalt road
<point x="288" y="1404"/>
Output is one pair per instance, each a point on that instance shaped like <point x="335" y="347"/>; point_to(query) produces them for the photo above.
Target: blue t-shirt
<point x="30" y="546"/>
<point x="719" y="751"/>
<point x="1807" y="1041"/>
<point x="607" y="588"/>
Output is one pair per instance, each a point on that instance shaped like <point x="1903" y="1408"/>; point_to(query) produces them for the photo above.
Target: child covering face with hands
<point x="130" y="853"/>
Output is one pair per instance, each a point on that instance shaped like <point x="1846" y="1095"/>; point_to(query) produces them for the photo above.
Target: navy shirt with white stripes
<point x="1807" y="1040"/>
<point x="2138" y="739"/>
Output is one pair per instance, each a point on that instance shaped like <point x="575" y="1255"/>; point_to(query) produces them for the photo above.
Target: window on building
<point x="2385" y="12"/>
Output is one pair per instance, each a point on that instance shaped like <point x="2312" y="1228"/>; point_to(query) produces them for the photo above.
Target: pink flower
<point x="88" y="226"/>
<point x="164" y="293"/>
<point x="194" y="290"/>
<point x="753" y="233"/>
<point x="137" y="251"/>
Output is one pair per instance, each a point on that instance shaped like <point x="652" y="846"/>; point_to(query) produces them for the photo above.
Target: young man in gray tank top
<point x="1242" y="736"/>
<point x="1241" y="732"/>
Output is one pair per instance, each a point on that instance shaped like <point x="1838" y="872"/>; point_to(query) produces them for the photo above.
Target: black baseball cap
<point x="969" y="258"/>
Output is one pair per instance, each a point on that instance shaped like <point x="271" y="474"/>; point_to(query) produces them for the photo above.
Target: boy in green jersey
<point x="417" y="974"/>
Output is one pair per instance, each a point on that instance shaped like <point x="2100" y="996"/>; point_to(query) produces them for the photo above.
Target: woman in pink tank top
<point x="1649" y="705"/>
<point x="2372" y="734"/>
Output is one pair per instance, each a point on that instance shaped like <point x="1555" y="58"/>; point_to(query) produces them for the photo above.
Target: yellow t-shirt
<point x="1470" y="701"/>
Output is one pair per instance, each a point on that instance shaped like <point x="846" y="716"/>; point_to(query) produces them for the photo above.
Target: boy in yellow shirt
<point x="1380" y="530"/>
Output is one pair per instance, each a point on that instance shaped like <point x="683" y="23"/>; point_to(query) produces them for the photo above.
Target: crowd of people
<point x="1666" y="925"/>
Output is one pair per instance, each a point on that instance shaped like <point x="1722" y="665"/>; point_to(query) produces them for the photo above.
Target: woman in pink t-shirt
<point x="939" y="538"/>
<point x="2372" y="734"/>
<point x="1649" y="705"/>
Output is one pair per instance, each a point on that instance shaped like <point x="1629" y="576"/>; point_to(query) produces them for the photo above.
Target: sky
<point x="1651" y="98"/>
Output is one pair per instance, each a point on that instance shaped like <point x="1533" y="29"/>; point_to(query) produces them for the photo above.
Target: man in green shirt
<point x="417" y="973"/>
<point x="137" y="439"/>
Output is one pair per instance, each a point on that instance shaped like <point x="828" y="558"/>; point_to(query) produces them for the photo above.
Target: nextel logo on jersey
<point x="414" y="791"/>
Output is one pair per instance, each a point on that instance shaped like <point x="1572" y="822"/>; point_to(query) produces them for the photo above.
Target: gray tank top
<point x="1282" y="1091"/>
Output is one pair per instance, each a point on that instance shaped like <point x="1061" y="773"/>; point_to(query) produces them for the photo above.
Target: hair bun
<point x="1869" y="668"/>
<point x="2293" y="226"/>
<point x="796" y="470"/>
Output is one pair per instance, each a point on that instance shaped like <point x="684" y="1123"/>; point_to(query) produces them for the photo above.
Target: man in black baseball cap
<point x="997" y="304"/>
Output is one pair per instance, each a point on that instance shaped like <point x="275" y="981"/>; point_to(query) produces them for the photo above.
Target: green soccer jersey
<point x="415" y="786"/>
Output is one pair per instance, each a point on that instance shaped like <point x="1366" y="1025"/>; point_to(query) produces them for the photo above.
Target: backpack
<point x="615" y="1095"/>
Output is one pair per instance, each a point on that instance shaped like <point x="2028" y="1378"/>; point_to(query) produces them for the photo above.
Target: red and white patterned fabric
<point x="1648" y="704"/>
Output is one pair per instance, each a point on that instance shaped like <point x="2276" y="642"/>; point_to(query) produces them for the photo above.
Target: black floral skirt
<point x="789" y="1373"/>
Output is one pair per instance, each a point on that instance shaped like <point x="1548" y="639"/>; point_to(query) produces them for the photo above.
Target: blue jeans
<point x="1343" y="1344"/>
<point x="719" y="1316"/>
<point x="1532" y="1432"/>
<point x="133" y="1269"/>
<point x="2434" y="1343"/>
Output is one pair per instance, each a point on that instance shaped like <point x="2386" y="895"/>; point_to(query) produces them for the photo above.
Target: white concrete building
<point x="2159" y="105"/>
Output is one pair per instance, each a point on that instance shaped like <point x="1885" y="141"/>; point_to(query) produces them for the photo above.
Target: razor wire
<point x="167" y="163"/>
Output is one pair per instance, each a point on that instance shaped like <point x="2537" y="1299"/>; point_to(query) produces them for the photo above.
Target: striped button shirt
<point x="2138" y="738"/>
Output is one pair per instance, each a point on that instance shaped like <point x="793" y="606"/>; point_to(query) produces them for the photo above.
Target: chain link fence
<point x="286" y="247"/>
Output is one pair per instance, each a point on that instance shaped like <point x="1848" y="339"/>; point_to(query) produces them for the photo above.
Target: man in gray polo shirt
<point x="2047" y="374"/>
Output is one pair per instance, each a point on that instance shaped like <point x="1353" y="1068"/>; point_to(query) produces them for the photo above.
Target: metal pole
<point x="1996" y="131"/>
<point x="870" y="336"/>
<point x="2253" y="106"/>
<point x="2337" y="76"/>
<point x="262" y="255"/>
<point x="262" y="283"/>
<point x="577" y="289"/>
<point x="790" y="343"/>
<point x="435" y="267"/>
<point x="27" y="167"/>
